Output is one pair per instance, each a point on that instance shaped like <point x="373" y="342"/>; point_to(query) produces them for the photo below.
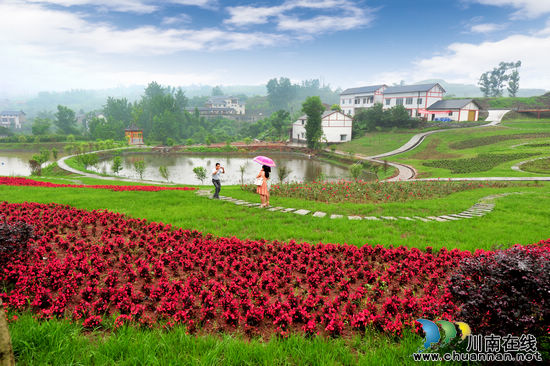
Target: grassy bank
<point x="481" y="152"/>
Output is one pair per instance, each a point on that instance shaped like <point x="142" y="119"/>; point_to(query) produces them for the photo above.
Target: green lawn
<point x="471" y="142"/>
<point x="374" y="143"/>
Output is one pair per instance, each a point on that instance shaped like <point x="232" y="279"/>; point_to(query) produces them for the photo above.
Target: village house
<point x="227" y="104"/>
<point x="454" y="109"/>
<point x="421" y="101"/>
<point x="12" y="119"/>
<point x="336" y="127"/>
<point x="353" y="99"/>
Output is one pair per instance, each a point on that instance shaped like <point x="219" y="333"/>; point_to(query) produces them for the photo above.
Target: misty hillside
<point x="471" y="90"/>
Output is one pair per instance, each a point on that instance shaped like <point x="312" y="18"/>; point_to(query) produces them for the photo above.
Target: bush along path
<point x="484" y="206"/>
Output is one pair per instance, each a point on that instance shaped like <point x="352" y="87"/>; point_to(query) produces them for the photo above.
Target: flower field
<point x="91" y="266"/>
<point x="372" y="192"/>
<point x="87" y="266"/>
<point x="16" y="181"/>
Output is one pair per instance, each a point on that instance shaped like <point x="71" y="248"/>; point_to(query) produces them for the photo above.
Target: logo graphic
<point x="433" y="335"/>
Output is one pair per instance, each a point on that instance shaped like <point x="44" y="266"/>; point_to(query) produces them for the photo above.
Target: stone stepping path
<point x="484" y="206"/>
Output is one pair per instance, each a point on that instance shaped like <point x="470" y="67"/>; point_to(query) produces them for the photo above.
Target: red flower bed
<point x="88" y="265"/>
<point x="15" y="181"/>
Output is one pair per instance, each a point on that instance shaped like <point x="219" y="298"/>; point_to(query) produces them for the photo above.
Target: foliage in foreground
<point x="359" y="191"/>
<point x="506" y="290"/>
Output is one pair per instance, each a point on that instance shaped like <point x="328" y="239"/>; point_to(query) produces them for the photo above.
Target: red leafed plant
<point x="88" y="265"/>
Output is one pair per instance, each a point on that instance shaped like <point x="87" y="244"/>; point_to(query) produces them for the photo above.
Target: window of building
<point x="409" y="101"/>
<point x="357" y="100"/>
<point x="399" y="101"/>
<point x="303" y="134"/>
<point x="450" y="113"/>
<point x="343" y="137"/>
<point x="364" y="100"/>
<point x="370" y="100"/>
<point x="343" y="101"/>
<point x="303" y="122"/>
<point x="388" y="100"/>
<point x="419" y="101"/>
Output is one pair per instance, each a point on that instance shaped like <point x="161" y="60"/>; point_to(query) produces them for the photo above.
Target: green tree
<point x="55" y="153"/>
<point x="163" y="171"/>
<point x="117" y="164"/>
<point x="356" y="170"/>
<point x="283" y="172"/>
<point x="200" y="173"/>
<point x="280" y="121"/>
<point x="41" y="126"/>
<point x="336" y="107"/>
<point x="217" y="91"/>
<point x="513" y="80"/>
<point x="280" y="92"/>
<point x="139" y="167"/>
<point x="65" y="120"/>
<point x="313" y="108"/>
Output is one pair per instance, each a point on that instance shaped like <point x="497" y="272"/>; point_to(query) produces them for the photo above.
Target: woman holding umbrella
<point x="262" y="177"/>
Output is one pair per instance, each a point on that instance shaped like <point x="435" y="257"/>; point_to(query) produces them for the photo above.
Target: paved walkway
<point x="63" y="165"/>
<point x="484" y="206"/>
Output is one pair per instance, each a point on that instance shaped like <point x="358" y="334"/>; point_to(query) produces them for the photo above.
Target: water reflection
<point x="180" y="167"/>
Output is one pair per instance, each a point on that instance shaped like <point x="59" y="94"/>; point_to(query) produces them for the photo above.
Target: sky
<point x="56" y="45"/>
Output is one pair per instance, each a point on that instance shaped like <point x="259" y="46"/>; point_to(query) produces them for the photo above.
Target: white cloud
<point x="135" y="6"/>
<point x="486" y="28"/>
<point x="207" y="4"/>
<point x="181" y="18"/>
<point x="344" y="15"/>
<point x="465" y="62"/>
<point x="526" y="8"/>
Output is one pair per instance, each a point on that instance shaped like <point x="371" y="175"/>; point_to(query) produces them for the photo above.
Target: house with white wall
<point x="12" y="119"/>
<point x="336" y="127"/>
<point x="353" y="99"/>
<point x="454" y="109"/>
<point x="226" y="103"/>
<point x="415" y="98"/>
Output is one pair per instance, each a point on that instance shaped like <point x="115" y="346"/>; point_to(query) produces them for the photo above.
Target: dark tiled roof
<point x="410" y="88"/>
<point x="450" y="104"/>
<point x="133" y="128"/>
<point x="362" y="89"/>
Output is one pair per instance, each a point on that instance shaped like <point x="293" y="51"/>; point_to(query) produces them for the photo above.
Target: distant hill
<point x="90" y="100"/>
<point x="471" y="90"/>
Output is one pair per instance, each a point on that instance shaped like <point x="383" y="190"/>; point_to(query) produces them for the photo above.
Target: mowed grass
<point x="447" y="145"/>
<point x="379" y="142"/>
<point x="516" y="219"/>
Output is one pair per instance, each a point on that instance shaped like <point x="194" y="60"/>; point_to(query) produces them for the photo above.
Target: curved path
<point x="406" y="172"/>
<point x="63" y="165"/>
<point x="484" y="206"/>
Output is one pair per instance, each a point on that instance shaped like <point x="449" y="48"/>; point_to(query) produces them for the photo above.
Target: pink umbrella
<point x="264" y="160"/>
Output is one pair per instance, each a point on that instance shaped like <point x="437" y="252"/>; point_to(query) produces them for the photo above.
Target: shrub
<point x="200" y="173"/>
<point x="481" y="163"/>
<point x="14" y="238"/>
<point x="505" y="291"/>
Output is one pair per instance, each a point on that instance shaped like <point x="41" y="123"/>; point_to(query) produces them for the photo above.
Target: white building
<point x="13" y="119"/>
<point x="415" y="98"/>
<point x="454" y="109"/>
<point x="336" y="127"/>
<point x="353" y="99"/>
<point x="226" y="103"/>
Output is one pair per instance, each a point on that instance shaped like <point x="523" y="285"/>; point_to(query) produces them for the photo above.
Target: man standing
<point x="216" y="180"/>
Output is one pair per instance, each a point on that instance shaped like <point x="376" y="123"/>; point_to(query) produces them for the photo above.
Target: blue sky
<point x="91" y="44"/>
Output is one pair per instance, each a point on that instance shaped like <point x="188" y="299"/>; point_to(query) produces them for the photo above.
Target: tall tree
<point x="41" y="126"/>
<point x="313" y="108"/>
<point x="118" y="110"/>
<point x="280" y="120"/>
<point x="65" y="120"/>
<point x="280" y="92"/>
<point x="217" y="91"/>
<point x="513" y="80"/>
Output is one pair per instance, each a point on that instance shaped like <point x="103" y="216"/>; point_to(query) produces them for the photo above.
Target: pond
<point x="180" y="167"/>
<point x="15" y="163"/>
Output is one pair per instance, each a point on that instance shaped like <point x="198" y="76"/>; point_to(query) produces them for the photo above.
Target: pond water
<point x="15" y="163"/>
<point x="180" y="167"/>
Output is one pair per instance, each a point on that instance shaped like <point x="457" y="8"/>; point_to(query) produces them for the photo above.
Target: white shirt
<point x="216" y="175"/>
